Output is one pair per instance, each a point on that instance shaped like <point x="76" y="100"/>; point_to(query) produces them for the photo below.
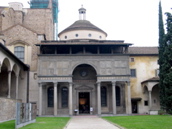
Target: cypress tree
<point x="168" y="65"/>
<point x="161" y="58"/>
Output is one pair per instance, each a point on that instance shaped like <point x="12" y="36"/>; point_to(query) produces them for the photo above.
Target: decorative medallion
<point x="83" y="73"/>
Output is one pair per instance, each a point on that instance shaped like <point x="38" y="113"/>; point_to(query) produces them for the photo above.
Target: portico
<point x="75" y="100"/>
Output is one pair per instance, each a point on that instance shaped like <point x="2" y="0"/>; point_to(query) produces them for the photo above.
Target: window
<point x="89" y="35"/>
<point x="103" y="96"/>
<point x="133" y="72"/>
<point x="100" y="37"/>
<point x="51" y="97"/>
<point x="64" y="93"/>
<point x="146" y="103"/>
<point x="65" y="37"/>
<point x="19" y="52"/>
<point x="76" y="35"/>
<point x="118" y="97"/>
<point x="131" y="59"/>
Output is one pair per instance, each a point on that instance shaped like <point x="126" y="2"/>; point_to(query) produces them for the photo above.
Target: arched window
<point x="64" y="92"/>
<point x="118" y="96"/>
<point x="50" y="97"/>
<point x="19" y="52"/>
<point x="103" y="96"/>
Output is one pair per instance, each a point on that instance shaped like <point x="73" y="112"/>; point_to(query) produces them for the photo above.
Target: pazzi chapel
<point x="80" y="73"/>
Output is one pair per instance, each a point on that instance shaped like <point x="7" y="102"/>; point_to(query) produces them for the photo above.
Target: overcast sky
<point x="135" y="21"/>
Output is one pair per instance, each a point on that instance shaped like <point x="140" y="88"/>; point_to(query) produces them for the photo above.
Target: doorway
<point x="84" y="102"/>
<point x="134" y="107"/>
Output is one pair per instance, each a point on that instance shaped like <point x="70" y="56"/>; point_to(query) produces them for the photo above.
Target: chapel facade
<point x="82" y="72"/>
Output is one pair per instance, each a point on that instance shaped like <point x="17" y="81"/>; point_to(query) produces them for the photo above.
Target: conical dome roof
<point x="82" y="25"/>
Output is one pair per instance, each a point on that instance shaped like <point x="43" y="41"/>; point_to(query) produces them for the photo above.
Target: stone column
<point x="0" y="66"/>
<point x="98" y="50"/>
<point x="9" y="84"/>
<point x="55" y="98"/>
<point x="70" y="99"/>
<point x="114" y="97"/>
<point x="150" y="100"/>
<point x="128" y="108"/>
<point x="17" y="85"/>
<point x="40" y="99"/>
<point x="98" y="98"/>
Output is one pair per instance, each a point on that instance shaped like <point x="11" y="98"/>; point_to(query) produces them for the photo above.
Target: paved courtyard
<point x="89" y="122"/>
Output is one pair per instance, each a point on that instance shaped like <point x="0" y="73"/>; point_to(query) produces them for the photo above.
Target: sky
<point x="134" y="21"/>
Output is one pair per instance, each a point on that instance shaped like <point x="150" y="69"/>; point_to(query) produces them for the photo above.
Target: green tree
<point x="167" y="65"/>
<point x="161" y="58"/>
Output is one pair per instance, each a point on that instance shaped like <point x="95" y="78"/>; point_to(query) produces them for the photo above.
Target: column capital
<point x="128" y="82"/>
<point x="98" y="82"/>
<point x="9" y="71"/>
<point x="113" y="83"/>
<point x="40" y="84"/>
<point x="70" y="83"/>
<point x="17" y="75"/>
<point x="55" y="83"/>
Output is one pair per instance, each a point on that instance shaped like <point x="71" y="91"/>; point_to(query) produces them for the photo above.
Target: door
<point x="84" y="102"/>
<point x="134" y="107"/>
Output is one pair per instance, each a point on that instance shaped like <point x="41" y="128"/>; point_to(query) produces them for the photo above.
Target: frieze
<point x="114" y="78"/>
<point x="54" y="78"/>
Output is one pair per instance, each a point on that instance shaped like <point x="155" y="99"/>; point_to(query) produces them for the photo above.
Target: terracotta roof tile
<point x="82" y="25"/>
<point x="143" y="50"/>
<point x="153" y="79"/>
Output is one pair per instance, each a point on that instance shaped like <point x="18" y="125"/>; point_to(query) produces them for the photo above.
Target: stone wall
<point x="104" y="65"/>
<point x="7" y="109"/>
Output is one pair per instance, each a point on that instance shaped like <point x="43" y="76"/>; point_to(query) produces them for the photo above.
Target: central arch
<point x="84" y="72"/>
<point x="84" y="78"/>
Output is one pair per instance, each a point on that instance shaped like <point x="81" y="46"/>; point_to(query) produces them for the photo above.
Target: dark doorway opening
<point x="134" y="107"/>
<point x="84" y="103"/>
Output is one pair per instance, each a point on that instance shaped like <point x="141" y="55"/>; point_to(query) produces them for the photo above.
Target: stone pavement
<point x="89" y="122"/>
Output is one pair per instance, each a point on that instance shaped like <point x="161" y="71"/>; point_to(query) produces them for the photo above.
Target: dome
<point x="82" y="25"/>
<point x="82" y="29"/>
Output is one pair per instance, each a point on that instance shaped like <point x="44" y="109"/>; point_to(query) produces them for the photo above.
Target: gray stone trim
<point x="113" y="54"/>
<point x="48" y="76"/>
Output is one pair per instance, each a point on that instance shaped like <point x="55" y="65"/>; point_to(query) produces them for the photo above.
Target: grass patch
<point x="41" y="123"/>
<point x="8" y="125"/>
<point x="143" y="122"/>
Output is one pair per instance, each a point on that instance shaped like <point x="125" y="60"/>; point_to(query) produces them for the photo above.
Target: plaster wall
<point x="83" y="34"/>
<point x="145" y="69"/>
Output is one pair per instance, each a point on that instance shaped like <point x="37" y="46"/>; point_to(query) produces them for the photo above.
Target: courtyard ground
<point x="41" y="123"/>
<point x="143" y="122"/>
<point x="129" y="122"/>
